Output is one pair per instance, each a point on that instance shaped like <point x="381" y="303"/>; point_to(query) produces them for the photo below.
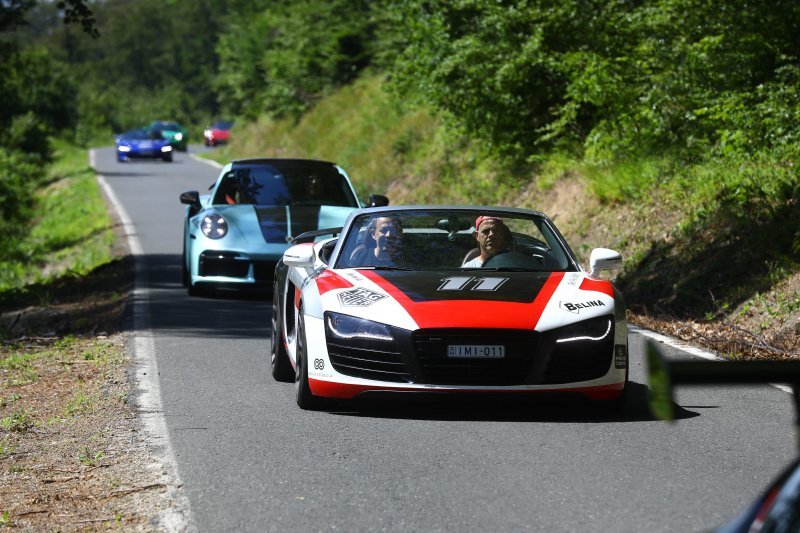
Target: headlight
<point x="166" y="148"/>
<point x="124" y="148"/>
<point x="593" y="330"/>
<point x="214" y="226"/>
<point x="345" y="327"/>
<point x="178" y="136"/>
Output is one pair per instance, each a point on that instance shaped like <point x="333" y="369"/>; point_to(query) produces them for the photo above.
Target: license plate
<point x="476" y="351"/>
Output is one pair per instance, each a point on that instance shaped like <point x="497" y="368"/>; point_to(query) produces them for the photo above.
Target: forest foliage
<point x="687" y="85"/>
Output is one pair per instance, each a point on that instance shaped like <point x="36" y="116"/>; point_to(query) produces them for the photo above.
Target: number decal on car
<point x="469" y="283"/>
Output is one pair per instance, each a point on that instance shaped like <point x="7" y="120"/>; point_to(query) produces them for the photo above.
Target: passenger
<point x="493" y="237"/>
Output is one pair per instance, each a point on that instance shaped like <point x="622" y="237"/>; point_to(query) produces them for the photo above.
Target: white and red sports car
<point x="403" y="299"/>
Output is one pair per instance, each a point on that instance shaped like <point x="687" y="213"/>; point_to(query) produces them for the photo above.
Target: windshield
<point x="168" y="126"/>
<point x="448" y="239"/>
<point x="222" y="125"/>
<point x="293" y="183"/>
<point x="134" y="135"/>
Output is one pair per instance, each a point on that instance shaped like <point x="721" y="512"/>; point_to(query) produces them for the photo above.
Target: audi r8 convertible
<point x="142" y="144"/>
<point x="392" y="303"/>
<point x="235" y="235"/>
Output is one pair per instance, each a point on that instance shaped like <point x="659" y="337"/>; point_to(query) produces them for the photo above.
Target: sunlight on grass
<point x="73" y="230"/>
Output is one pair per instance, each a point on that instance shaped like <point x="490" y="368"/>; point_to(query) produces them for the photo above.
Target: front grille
<point x="223" y="264"/>
<point x="264" y="270"/>
<point x="370" y="363"/>
<point x="431" y="346"/>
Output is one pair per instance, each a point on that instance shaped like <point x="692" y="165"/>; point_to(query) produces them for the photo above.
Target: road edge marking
<point x="206" y="161"/>
<point x="692" y="350"/>
<point x="148" y="390"/>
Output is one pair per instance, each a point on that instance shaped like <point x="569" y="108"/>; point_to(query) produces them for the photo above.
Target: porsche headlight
<point x="345" y="328"/>
<point x="166" y="148"/>
<point x="124" y="148"/>
<point x="179" y="136"/>
<point x="214" y="226"/>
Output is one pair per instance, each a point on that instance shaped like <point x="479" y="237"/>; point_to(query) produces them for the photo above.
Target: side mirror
<point x="604" y="259"/>
<point x="299" y="255"/>
<point x="192" y="199"/>
<point x="378" y="200"/>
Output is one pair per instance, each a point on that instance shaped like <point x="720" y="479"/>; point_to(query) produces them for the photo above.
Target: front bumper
<point x="417" y="362"/>
<point x="233" y="268"/>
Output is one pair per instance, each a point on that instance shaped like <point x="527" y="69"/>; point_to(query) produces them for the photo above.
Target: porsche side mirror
<point x="378" y="200"/>
<point x="299" y="255"/>
<point x="604" y="259"/>
<point x="191" y="198"/>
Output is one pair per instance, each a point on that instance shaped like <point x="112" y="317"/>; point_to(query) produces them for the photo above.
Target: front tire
<point x="279" y="359"/>
<point x="305" y="399"/>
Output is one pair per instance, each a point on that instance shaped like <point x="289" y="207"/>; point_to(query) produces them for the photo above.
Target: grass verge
<point x="71" y="453"/>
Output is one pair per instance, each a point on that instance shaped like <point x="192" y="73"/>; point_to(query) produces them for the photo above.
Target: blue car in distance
<point x="143" y="144"/>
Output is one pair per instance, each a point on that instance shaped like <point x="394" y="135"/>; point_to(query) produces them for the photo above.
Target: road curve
<point x="251" y="460"/>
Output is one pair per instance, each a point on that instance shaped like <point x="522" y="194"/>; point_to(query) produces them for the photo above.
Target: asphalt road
<point x="251" y="460"/>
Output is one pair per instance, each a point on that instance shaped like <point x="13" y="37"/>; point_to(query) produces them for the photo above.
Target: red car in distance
<point x="218" y="133"/>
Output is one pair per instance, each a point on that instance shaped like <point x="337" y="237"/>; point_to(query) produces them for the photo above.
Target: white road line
<point x="699" y="352"/>
<point x="148" y="399"/>
<point x="206" y="161"/>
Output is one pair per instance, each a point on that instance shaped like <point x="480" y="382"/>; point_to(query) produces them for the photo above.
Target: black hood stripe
<point x="275" y="225"/>
<point x="518" y="287"/>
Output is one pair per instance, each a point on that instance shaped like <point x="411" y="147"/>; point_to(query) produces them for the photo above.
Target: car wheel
<point x="167" y="158"/>
<point x="305" y="400"/>
<point x="279" y="359"/>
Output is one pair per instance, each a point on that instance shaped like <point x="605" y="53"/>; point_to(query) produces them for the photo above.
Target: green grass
<point x="72" y="232"/>
<point x="80" y="403"/>
<point x="20" y="421"/>
<point x="20" y="370"/>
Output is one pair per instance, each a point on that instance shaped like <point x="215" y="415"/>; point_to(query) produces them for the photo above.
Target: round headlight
<point x="214" y="226"/>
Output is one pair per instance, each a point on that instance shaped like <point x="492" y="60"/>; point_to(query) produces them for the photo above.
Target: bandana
<point x="484" y="218"/>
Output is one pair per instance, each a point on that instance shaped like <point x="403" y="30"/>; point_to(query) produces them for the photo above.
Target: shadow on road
<point x="503" y="408"/>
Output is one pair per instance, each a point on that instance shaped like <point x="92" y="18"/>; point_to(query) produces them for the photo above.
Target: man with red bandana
<point x="493" y="236"/>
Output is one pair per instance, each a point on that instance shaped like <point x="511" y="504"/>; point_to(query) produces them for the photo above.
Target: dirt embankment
<point x="73" y="454"/>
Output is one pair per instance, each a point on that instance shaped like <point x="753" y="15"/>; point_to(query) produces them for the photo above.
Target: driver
<point x="493" y="237"/>
<point x="387" y="233"/>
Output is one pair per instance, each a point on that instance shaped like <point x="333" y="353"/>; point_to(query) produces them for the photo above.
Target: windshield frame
<point x="340" y="260"/>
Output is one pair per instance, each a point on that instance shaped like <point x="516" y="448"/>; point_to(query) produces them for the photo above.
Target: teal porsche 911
<point x="234" y="236"/>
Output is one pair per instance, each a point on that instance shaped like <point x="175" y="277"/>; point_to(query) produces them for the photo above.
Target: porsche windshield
<point x="455" y="239"/>
<point x="285" y="183"/>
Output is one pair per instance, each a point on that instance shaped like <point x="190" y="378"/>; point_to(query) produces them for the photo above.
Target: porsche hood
<point x="277" y="225"/>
